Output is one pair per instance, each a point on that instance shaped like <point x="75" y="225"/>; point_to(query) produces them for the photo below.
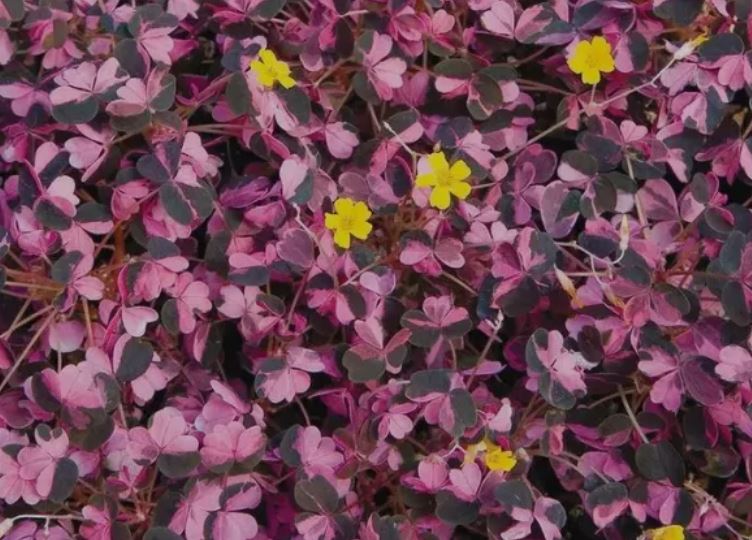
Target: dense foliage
<point x="376" y="269"/>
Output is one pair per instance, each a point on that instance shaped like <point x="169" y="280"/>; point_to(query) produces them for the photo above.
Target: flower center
<point x="591" y="60"/>
<point x="443" y="178"/>
<point x="273" y="71"/>
<point x="345" y="223"/>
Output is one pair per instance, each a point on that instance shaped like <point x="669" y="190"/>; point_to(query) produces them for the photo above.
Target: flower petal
<point x="268" y="57"/>
<point x="426" y="180"/>
<point x="263" y="75"/>
<point x="591" y="76"/>
<point x="361" y="230"/>
<point x="460" y="189"/>
<point x="438" y="162"/>
<point x="342" y="238"/>
<point x="459" y="170"/>
<point x="577" y="62"/>
<point x="500" y="460"/>
<point x="606" y="64"/>
<point x="600" y="47"/>
<point x="440" y="198"/>
<point x="361" y="212"/>
<point x="286" y="81"/>
<point x="343" y="206"/>
<point x="331" y="221"/>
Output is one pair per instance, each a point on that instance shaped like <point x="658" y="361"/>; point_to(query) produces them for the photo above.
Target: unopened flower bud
<point x="5" y="526"/>
<point x="566" y="282"/>
<point x="689" y="47"/>
<point x="624" y="233"/>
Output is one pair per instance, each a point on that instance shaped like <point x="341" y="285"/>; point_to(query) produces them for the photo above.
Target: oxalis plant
<point x="375" y="269"/>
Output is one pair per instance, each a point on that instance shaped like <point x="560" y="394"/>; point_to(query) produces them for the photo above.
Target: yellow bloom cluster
<point x="350" y="218"/>
<point x="494" y="457"/>
<point x="591" y="58"/>
<point x="445" y="180"/>
<point x="269" y="70"/>
<point x="671" y="532"/>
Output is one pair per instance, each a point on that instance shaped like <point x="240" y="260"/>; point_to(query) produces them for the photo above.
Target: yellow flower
<point x="591" y="58"/>
<point x="700" y="39"/>
<point x="445" y="180"/>
<point x="500" y="460"/>
<point x="473" y="450"/>
<point x="671" y="532"/>
<point x="269" y="70"/>
<point x="351" y="218"/>
<point x="494" y="457"/>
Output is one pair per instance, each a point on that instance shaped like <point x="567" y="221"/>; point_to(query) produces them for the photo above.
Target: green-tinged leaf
<point x="316" y="495"/>
<point x="297" y="103"/>
<point x="267" y="9"/>
<point x="63" y="480"/>
<point x="51" y="216"/>
<point x="660" y="461"/>
<point x="463" y="407"/>
<point x="175" y="204"/>
<point x="126" y="52"/>
<point x="734" y="303"/>
<point x="426" y="382"/>
<point x="287" y="450"/>
<point x="161" y="533"/>
<point x="170" y="317"/>
<point x="514" y="494"/>
<point x="730" y="256"/>
<point x="135" y="360"/>
<point x="166" y="96"/>
<point x="237" y="94"/>
<point x="15" y="9"/>
<point x="360" y="370"/>
<point x="178" y="465"/>
<point x="454" y="68"/>
<point x="76" y="113"/>
<point x="62" y="269"/>
<point x="251" y="276"/>
<point x="455" y="511"/>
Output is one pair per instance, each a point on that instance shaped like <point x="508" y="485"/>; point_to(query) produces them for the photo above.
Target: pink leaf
<point x="66" y="336"/>
<point x="292" y="174"/>
<point x="136" y="318"/>
<point x="499" y="19"/>
<point x="341" y="139"/>
<point x="735" y="364"/>
<point x="432" y="471"/>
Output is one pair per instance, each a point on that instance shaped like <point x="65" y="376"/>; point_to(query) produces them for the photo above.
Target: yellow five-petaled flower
<point x="494" y="457"/>
<point x="591" y="58"/>
<point x="269" y="70"/>
<point x="671" y="532"/>
<point x="500" y="460"/>
<point x="445" y="180"/>
<point x="350" y="219"/>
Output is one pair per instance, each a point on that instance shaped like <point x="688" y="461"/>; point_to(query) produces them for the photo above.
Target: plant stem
<point x="303" y="410"/>
<point x="27" y="350"/>
<point x="459" y="282"/>
<point x="487" y="347"/>
<point x="631" y="414"/>
<point x="22" y="322"/>
<point x="21" y="313"/>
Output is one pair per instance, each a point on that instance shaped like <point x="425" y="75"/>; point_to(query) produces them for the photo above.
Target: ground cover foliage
<point x="399" y="269"/>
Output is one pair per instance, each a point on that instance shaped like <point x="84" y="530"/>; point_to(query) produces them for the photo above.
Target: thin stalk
<point x="22" y="322"/>
<point x="459" y="282"/>
<point x="491" y="338"/>
<point x="27" y="350"/>
<point x="19" y="315"/>
<point x="631" y="415"/>
<point x="89" y="330"/>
